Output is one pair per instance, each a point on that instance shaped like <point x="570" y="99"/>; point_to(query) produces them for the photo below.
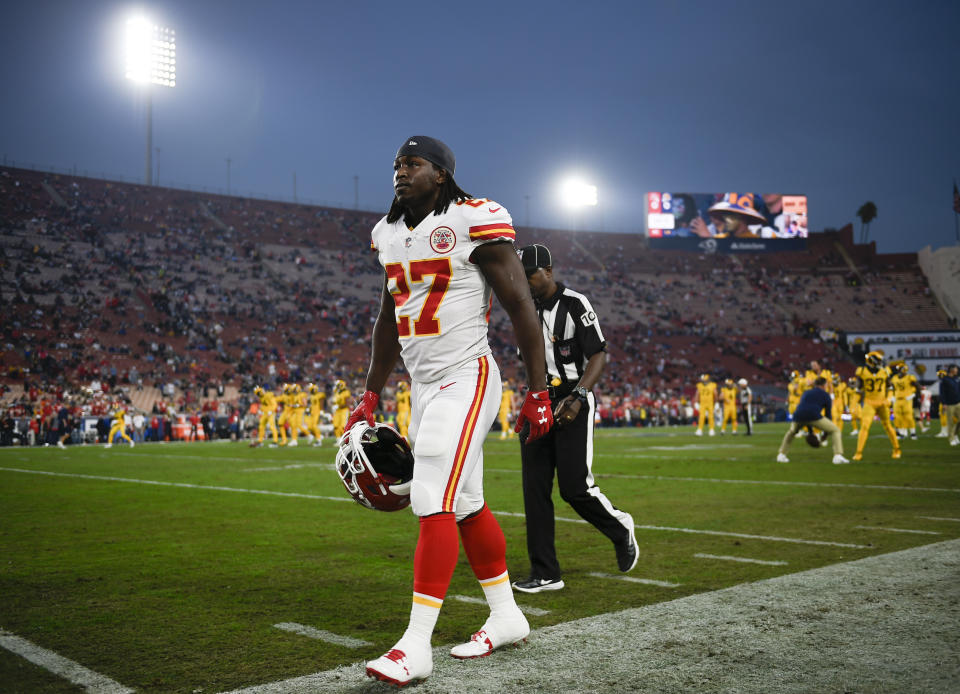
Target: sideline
<point x="884" y="623"/>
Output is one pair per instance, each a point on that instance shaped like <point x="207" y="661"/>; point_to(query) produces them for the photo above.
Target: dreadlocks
<point x="450" y="192"/>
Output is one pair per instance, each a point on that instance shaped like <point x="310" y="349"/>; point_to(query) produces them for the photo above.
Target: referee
<point x="575" y="353"/>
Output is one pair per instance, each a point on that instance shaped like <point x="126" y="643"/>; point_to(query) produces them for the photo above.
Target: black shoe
<point x="627" y="553"/>
<point x="535" y="585"/>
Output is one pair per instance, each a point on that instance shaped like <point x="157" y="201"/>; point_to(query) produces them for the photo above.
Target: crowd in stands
<point x="200" y="297"/>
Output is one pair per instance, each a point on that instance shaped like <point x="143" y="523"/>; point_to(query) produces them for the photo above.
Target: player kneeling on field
<point x="814" y="410"/>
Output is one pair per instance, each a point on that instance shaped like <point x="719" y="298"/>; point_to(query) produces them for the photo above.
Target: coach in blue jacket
<point x="814" y="410"/>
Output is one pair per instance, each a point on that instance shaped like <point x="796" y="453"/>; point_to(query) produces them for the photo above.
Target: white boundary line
<point x="535" y="611"/>
<point x="322" y="635"/>
<point x="631" y="579"/>
<point x="292" y="466"/>
<point x="724" y="557"/>
<point x="781" y="483"/>
<point x="58" y="665"/>
<point x="769" y="538"/>
<point x="177" y="484"/>
<point x="897" y="530"/>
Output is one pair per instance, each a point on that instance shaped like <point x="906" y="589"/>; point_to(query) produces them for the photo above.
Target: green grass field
<point x="165" y="567"/>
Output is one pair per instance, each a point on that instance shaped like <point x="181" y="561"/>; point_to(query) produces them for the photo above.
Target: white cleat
<point x="839" y="460"/>
<point x="403" y="664"/>
<point x="496" y="632"/>
<point x="60" y="445"/>
<point x="955" y="441"/>
<point x="131" y="444"/>
<point x="782" y="458"/>
<point x="292" y="444"/>
<point x="941" y="435"/>
<point x="109" y="445"/>
<point x="713" y="433"/>
<point x="699" y="432"/>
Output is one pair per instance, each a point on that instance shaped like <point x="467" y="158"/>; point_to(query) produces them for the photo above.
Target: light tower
<point x="575" y="195"/>
<point x="151" y="60"/>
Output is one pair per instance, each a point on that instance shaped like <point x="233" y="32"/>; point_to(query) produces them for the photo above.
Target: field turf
<point x="166" y="567"/>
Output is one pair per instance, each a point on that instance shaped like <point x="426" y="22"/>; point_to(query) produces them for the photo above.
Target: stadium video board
<point x="727" y="222"/>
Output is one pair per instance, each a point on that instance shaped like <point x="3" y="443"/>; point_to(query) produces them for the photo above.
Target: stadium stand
<point x="191" y="297"/>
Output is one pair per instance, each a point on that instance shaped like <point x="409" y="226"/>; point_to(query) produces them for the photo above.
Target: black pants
<point x="569" y="452"/>
<point x="747" y="418"/>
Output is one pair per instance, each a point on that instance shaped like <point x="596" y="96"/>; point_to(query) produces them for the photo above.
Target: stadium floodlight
<point x="575" y="193"/>
<point x="151" y="59"/>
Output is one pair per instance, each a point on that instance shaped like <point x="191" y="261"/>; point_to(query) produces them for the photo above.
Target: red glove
<point x="536" y="415"/>
<point x="364" y="410"/>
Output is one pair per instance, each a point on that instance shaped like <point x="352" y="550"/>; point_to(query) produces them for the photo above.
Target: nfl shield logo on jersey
<point x="442" y="240"/>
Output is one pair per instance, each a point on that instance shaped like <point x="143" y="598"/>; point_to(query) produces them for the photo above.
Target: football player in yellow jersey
<point x="283" y="419"/>
<point x="707" y="397"/>
<point x="905" y="391"/>
<point x="341" y="405"/>
<point x="794" y="390"/>
<point x="873" y="381"/>
<point x="297" y="401"/>
<point x="839" y="401"/>
<point x="403" y="408"/>
<point x="316" y="399"/>
<point x="728" y="396"/>
<point x="853" y="404"/>
<point x="506" y="408"/>
<point x="118" y="426"/>
<point x="268" y="414"/>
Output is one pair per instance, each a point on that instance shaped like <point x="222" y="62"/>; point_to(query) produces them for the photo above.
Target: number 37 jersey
<point x="442" y="299"/>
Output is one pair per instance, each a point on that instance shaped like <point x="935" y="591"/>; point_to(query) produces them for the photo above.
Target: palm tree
<point x="867" y="213"/>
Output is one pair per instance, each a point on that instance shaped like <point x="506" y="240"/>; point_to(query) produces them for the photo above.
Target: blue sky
<point x="845" y="101"/>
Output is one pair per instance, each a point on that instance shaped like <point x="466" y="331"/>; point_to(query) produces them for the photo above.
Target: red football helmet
<point x="375" y="465"/>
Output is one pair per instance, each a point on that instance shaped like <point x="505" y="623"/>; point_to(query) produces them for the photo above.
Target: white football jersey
<point x="442" y="299"/>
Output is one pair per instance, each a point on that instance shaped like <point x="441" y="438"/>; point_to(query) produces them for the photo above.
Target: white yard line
<point x="322" y="635"/>
<point x="937" y="518"/>
<point x="535" y="611"/>
<point x="744" y="560"/>
<point x="63" y="667"/>
<point x="631" y="579"/>
<point x="897" y="530"/>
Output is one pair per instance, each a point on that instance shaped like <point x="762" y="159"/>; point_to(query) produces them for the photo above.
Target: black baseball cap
<point x="535" y="256"/>
<point x="431" y="149"/>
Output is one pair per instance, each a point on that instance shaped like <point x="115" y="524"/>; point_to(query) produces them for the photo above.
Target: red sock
<point x="436" y="557"/>
<point x="484" y="543"/>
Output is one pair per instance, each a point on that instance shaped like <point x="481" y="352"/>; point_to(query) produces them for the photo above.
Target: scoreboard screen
<point x="727" y="222"/>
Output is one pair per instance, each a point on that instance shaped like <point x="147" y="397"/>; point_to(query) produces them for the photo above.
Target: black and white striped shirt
<point x="571" y="334"/>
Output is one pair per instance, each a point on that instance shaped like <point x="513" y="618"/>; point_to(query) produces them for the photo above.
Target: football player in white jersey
<point x="443" y="253"/>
